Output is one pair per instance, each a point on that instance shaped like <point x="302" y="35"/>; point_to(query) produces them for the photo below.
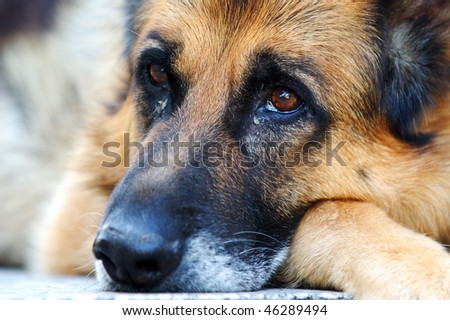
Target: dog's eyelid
<point x="153" y="41"/>
<point x="155" y="35"/>
<point x="153" y="55"/>
<point x="155" y="44"/>
<point x="268" y="61"/>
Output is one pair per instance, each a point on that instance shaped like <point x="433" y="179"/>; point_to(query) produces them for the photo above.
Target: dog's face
<point x="239" y="100"/>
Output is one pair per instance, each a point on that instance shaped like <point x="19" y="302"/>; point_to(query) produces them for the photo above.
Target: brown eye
<point x="158" y="75"/>
<point x="285" y="100"/>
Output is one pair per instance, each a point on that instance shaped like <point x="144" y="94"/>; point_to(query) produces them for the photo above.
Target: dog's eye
<point x="284" y="100"/>
<point x="158" y="76"/>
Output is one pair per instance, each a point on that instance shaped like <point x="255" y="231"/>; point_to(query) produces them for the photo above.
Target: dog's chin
<point x="207" y="268"/>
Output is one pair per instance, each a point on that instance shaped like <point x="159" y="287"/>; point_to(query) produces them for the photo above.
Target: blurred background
<point x="60" y="60"/>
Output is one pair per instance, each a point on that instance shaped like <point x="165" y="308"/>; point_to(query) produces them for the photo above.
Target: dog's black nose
<point x="141" y="260"/>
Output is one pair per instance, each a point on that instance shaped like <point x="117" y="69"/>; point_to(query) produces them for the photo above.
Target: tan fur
<point x="375" y="226"/>
<point x="389" y="262"/>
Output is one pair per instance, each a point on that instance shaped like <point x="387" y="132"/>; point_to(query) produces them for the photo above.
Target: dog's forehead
<point x="229" y="31"/>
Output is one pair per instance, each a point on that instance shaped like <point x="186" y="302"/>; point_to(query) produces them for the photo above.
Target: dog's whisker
<point x="246" y="240"/>
<point x="258" y="248"/>
<point x="90" y="273"/>
<point x="88" y="279"/>
<point x="90" y="234"/>
<point x="94" y="226"/>
<point x="135" y="33"/>
<point x="91" y="213"/>
<point x="84" y="266"/>
<point x="258" y="233"/>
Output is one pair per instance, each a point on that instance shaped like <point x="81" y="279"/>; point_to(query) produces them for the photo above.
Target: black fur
<point x="415" y="72"/>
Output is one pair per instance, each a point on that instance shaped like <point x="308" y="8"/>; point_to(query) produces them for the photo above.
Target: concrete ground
<point x="20" y="285"/>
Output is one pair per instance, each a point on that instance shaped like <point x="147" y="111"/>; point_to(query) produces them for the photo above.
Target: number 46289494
<point x="291" y="310"/>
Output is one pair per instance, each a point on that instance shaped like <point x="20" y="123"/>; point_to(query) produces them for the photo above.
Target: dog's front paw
<point x="357" y="248"/>
<point x="405" y="279"/>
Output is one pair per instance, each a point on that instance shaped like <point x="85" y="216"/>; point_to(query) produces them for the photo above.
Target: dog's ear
<point x="416" y="68"/>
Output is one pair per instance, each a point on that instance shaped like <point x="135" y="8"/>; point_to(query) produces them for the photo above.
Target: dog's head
<point x="248" y="113"/>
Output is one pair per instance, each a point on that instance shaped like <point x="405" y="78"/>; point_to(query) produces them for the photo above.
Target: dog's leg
<point x="357" y="248"/>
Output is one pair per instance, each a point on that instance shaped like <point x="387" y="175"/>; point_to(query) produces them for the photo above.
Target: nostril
<point x="101" y="253"/>
<point x="98" y="253"/>
<point x="109" y="266"/>
<point x="101" y="248"/>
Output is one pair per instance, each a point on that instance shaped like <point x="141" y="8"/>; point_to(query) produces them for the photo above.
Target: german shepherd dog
<point x="260" y="142"/>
